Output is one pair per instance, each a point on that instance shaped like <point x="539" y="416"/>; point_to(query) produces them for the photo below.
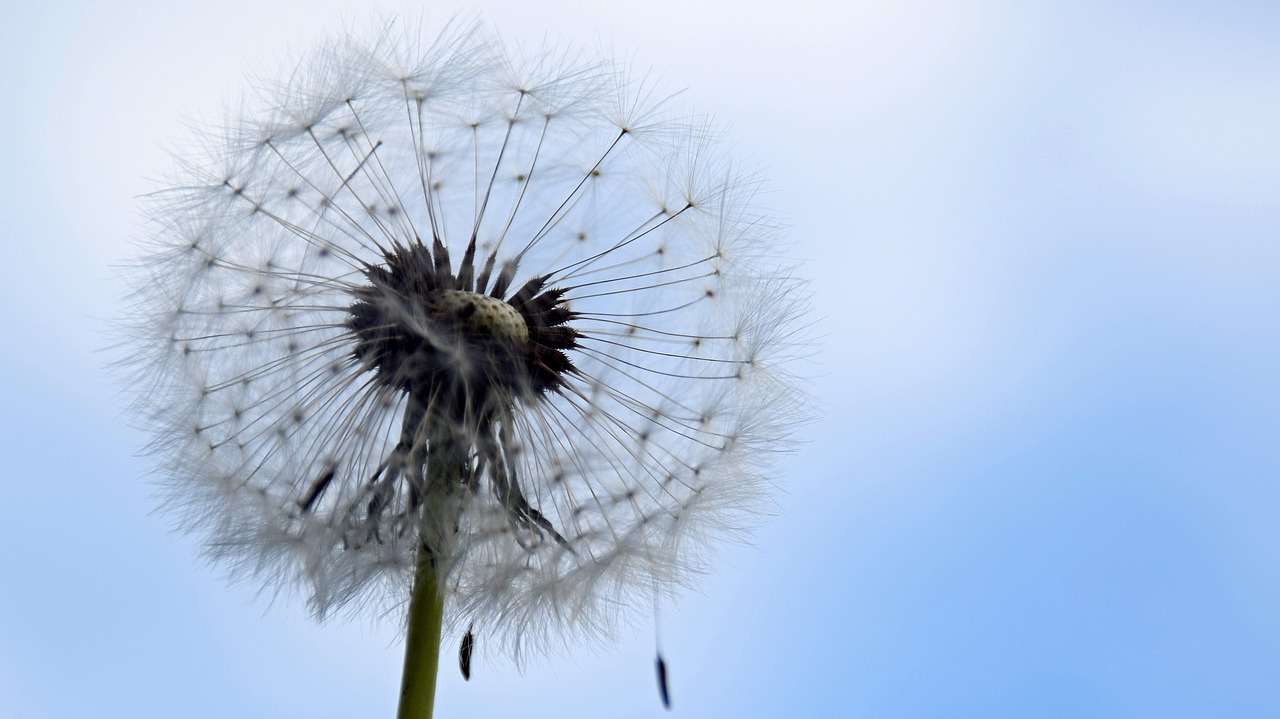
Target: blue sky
<point x="1044" y="249"/>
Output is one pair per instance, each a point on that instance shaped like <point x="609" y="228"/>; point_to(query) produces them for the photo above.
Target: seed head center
<point x="483" y="313"/>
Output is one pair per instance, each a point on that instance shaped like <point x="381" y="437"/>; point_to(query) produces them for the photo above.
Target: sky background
<point x="1044" y="239"/>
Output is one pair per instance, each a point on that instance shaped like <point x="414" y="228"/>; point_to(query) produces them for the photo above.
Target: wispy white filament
<point x="277" y="443"/>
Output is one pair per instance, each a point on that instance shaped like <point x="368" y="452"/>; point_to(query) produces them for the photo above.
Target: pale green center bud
<point x="484" y="313"/>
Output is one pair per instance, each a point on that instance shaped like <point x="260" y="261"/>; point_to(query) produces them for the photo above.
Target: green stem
<point x="422" y="646"/>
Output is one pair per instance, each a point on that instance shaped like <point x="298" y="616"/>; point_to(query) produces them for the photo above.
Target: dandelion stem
<point x="422" y="646"/>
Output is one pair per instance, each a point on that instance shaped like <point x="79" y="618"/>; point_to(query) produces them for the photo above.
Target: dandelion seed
<point x="660" y="665"/>
<point x="500" y="333"/>
<point x="464" y="654"/>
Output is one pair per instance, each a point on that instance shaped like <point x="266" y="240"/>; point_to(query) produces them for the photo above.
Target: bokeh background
<point x="1044" y="239"/>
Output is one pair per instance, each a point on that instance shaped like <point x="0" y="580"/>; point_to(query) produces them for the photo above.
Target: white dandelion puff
<point x="508" y="313"/>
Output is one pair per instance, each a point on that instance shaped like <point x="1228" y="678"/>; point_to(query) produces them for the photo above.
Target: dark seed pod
<point x="662" y="683"/>
<point x="464" y="654"/>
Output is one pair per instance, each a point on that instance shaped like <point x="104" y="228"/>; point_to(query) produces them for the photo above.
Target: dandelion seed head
<point x="508" y="307"/>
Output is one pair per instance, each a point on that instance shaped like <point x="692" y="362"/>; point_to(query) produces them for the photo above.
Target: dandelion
<point x="485" y="342"/>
